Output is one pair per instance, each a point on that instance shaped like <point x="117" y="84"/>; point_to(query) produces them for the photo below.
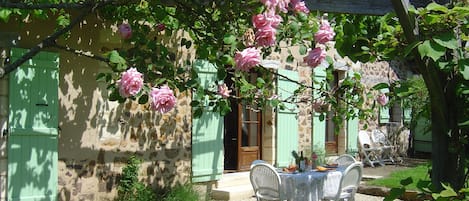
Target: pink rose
<point x="266" y="19"/>
<point x="223" y="91"/>
<point x="382" y="99"/>
<point x="131" y="83"/>
<point x="300" y="6"/>
<point x="325" y="33"/>
<point x="260" y="20"/>
<point x="270" y="3"/>
<point x="283" y="5"/>
<point x="273" y="18"/>
<point x="125" y="31"/>
<point x="160" y="27"/>
<point x="247" y="59"/>
<point x="162" y="99"/>
<point x="315" y="57"/>
<point x="266" y="36"/>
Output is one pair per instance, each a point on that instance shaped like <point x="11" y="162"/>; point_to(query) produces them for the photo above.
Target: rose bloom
<point x="247" y="59"/>
<point x="223" y="91"/>
<point x="266" y="36"/>
<point x="162" y="99"/>
<point x="125" y="31"/>
<point x="315" y="57"/>
<point x="300" y="6"/>
<point x="270" y="3"/>
<point x="131" y="83"/>
<point x="325" y="33"/>
<point x="382" y="99"/>
<point x="160" y="27"/>
<point x="266" y="19"/>
<point x="283" y="5"/>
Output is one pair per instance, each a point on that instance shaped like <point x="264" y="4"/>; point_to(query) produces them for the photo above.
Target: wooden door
<point x="33" y="126"/>
<point x="249" y="135"/>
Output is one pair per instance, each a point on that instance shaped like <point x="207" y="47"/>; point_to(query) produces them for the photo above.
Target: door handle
<point x="42" y="104"/>
<point x="233" y="139"/>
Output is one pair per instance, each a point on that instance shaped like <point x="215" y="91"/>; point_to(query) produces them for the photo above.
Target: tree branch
<point x="28" y="6"/>
<point x="80" y="52"/>
<point x="47" y="42"/>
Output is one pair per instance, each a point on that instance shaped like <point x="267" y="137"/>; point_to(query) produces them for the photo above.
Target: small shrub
<point x="130" y="189"/>
<point x="182" y="193"/>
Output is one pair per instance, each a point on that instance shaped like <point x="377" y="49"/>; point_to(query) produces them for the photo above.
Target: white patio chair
<point x="265" y="182"/>
<point x="348" y="183"/>
<point x="380" y="139"/>
<point x="345" y="160"/>
<point x="370" y="153"/>
<point x="257" y="162"/>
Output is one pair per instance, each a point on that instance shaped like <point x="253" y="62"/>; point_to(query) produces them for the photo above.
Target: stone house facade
<point x="95" y="137"/>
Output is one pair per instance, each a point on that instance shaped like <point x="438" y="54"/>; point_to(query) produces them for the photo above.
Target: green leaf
<point x="436" y="7"/>
<point x="229" y="39"/>
<point x="143" y="99"/>
<point x="101" y="77"/>
<point x="448" y="192"/>
<point x="410" y="47"/>
<point x="406" y="181"/>
<point x="303" y="50"/>
<point x="431" y="49"/>
<point x="464" y="68"/>
<point x="290" y="58"/>
<point x="380" y="86"/>
<point x="394" y="193"/>
<point x="5" y="14"/>
<point x="447" y="40"/>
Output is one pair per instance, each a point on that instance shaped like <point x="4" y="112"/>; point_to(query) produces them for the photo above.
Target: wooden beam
<point x="401" y="7"/>
<point x="365" y="7"/>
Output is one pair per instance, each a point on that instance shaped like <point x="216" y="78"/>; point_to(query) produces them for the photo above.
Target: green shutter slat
<point x="352" y="130"/>
<point x="287" y="122"/>
<point x="33" y="123"/>
<point x="207" y="133"/>
<point x="319" y="127"/>
<point x="407" y="115"/>
<point x="384" y="110"/>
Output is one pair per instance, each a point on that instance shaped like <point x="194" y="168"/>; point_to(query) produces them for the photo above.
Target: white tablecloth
<point x="310" y="185"/>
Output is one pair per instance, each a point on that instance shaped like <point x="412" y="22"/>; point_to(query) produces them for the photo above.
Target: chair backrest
<point x="364" y="139"/>
<point x="379" y="137"/>
<point x="257" y="162"/>
<point x="352" y="176"/>
<point x="345" y="160"/>
<point x="350" y="180"/>
<point x="265" y="181"/>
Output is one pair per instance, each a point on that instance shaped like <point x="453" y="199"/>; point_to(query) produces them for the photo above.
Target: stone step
<point x="232" y="193"/>
<point x="234" y="179"/>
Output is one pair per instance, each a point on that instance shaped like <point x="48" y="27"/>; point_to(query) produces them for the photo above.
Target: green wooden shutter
<point x="384" y="110"/>
<point x="287" y="121"/>
<point x="207" y="133"/>
<point x="319" y="127"/>
<point x="407" y="115"/>
<point x="352" y="129"/>
<point x="33" y="124"/>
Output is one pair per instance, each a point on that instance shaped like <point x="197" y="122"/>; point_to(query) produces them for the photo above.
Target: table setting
<point x="309" y="184"/>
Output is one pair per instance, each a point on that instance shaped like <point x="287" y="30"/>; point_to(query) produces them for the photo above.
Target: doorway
<point x="242" y="135"/>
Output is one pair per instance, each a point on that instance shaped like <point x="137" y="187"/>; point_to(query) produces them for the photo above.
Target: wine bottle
<point x="302" y="164"/>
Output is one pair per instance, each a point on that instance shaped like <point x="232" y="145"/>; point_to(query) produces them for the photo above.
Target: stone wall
<point x="387" y="72"/>
<point x="96" y="136"/>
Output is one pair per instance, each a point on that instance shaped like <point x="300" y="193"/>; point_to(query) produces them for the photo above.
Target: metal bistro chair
<point x="265" y="182"/>
<point x="257" y="162"/>
<point x="370" y="153"/>
<point x="345" y="160"/>
<point x="380" y="139"/>
<point x="348" y="183"/>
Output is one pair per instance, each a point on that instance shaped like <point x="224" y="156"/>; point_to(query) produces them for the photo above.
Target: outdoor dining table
<point x="310" y="185"/>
